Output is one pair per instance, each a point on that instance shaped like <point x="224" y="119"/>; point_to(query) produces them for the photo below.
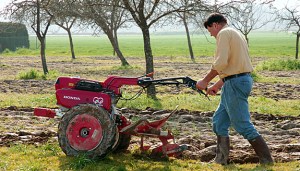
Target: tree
<point x="108" y="16"/>
<point x="146" y="13"/>
<point x="60" y="11"/>
<point x="32" y="12"/>
<point x="290" y="17"/>
<point x="249" y="15"/>
<point x="184" y="18"/>
<point x="191" y="10"/>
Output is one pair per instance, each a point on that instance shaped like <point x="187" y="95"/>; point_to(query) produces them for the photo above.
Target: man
<point x="233" y="66"/>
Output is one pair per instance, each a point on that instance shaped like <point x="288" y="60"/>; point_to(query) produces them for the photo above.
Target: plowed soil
<point x="192" y="128"/>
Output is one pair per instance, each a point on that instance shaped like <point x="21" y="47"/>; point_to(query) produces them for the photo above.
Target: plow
<point x="91" y="124"/>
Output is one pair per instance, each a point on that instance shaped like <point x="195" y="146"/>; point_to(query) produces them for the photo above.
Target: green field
<point x="262" y="44"/>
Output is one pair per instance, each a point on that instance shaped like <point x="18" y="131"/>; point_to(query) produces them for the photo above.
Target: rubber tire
<point x="122" y="144"/>
<point x="108" y="131"/>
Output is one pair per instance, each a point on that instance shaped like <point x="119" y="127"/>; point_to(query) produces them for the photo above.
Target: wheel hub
<point x="84" y="132"/>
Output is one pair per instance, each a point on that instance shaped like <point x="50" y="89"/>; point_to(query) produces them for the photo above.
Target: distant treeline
<point x="12" y="36"/>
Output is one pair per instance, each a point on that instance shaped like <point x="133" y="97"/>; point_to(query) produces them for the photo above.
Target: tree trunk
<point x="247" y="40"/>
<point x="43" y="55"/>
<point x="151" y="92"/>
<point x="114" y="42"/>
<point x="42" y="38"/>
<point x="297" y="45"/>
<point x="189" y="39"/>
<point x="71" y="43"/>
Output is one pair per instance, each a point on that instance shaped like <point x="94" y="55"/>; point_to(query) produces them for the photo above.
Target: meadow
<point x="262" y="44"/>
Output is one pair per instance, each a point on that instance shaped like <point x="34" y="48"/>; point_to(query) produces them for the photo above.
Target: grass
<point x="27" y="100"/>
<point x="262" y="44"/>
<point x="270" y="79"/>
<point x="49" y="157"/>
<point x="277" y="107"/>
<point x="279" y="65"/>
<point x="276" y="65"/>
<point x="197" y="102"/>
<point x="194" y="102"/>
<point x="37" y="75"/>
<point x="31" y="74"/>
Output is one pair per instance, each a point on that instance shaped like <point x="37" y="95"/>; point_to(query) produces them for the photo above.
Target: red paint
<point x="84" y="132"/>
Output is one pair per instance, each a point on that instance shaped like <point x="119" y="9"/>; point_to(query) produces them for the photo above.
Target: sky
<point x="277" y="3"/>
<point x="3" y="3"/>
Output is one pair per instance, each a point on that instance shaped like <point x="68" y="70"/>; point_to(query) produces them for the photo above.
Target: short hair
<point x="214" y="18"/>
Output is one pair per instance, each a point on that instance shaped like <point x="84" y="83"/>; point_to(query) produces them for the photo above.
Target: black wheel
<point x="122" y="142"/>
<point x="86" y="129"/>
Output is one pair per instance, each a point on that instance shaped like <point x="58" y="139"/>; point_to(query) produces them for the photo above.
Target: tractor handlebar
<point x="187" y="81"/>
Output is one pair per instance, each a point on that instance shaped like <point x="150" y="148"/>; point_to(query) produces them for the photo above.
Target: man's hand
<point x="212" y="90"/>
<point x="202" y="85"/>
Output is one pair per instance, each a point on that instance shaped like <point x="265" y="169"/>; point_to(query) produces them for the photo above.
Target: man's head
<point x="214" y="23"/>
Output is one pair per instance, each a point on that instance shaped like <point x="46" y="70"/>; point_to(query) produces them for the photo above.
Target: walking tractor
<point x="91" y="124"/>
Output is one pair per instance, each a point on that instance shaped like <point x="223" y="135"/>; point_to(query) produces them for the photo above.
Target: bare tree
<point x="290" y="18"/>
<point x="249" y="15"/>
<point x="61" y="12"/>
<point x="32" y="13"/>
<point x="184" y="17"/>
<point x="145" y="14"/>
<point x="191" y="10"/>
<point x="107" y="15"/>
<point x="219" y="6"/>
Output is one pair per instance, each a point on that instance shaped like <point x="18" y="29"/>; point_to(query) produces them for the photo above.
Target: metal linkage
<point x="187" y="81"/>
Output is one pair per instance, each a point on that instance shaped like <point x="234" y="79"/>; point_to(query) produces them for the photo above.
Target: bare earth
<point x="189" y="127"/>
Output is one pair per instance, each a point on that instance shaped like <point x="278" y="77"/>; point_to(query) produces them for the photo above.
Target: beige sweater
<point x="232" y="55"/>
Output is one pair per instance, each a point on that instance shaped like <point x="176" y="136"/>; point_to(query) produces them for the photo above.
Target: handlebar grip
<point x="192" y="84"/>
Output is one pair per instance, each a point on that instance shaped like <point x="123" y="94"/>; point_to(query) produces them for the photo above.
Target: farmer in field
<point x="232" y="65"/>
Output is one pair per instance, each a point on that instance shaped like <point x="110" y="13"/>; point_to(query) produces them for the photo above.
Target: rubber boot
<point x="261" y="149"/>
<point x="222" y="151"/>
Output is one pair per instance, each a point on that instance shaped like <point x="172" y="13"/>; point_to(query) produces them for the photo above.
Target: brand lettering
<point x="71" y="98"/>
<point x="98" y="101"/>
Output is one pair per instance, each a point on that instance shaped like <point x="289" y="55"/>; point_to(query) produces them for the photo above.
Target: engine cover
<point x="78" y="83"/>
<point x="66" y="82"/>
<point x="71" y="97"/>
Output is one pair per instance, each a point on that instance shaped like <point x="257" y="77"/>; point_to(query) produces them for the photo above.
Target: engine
<point x="72" y="91"/>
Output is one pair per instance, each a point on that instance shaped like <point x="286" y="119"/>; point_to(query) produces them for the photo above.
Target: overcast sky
<point x="3" y="3"/>
<point x="278" y="3"/>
